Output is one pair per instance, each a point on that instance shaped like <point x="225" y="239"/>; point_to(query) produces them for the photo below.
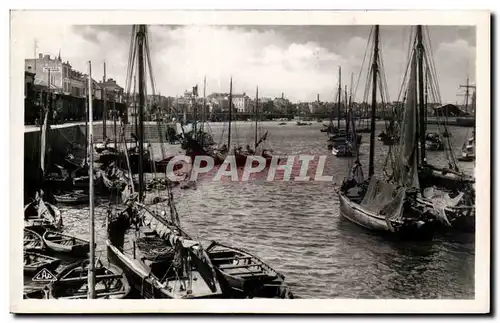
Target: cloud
<point x="278" y="60"/>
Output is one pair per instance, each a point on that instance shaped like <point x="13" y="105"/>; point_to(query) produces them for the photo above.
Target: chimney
<point x="318" y="97"/>
<point x="282" y="95"/>
<point x="104" y="77"/>
<point x="40" y="55"/>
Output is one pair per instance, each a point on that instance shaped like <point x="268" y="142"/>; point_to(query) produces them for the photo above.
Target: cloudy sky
<point x="300" y="61"/>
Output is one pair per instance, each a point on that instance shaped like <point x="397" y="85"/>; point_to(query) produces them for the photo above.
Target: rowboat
<point x="34" y="262"/>
<point x="40" y="215"/>
<point x="72" y="282"/>
<point x="72" y="198"/>
<point x="60" y="242"/>
<point x="32" y="241"/>
<point x="36" y="293"/>
<point x="342" y="150"/>
<point x="244" y="275"/>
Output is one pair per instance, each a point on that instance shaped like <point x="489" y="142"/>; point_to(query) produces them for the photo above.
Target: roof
<point x="449" y="110"/>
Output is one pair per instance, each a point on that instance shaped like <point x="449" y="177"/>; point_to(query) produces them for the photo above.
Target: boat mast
<point x="371" y="168"/>
<point x="140" y="61"/>
<point x="91" y="273"/>
<point x="86" y="124"/>
<point x="203" y="116"/>
<point x="136" y="126"/>
<point x="467" y="86"/>
<point x="105" y="108"/>
<point x="420" y="57"/>
<point x="256" y="114"/>
<point x="346" y="110"/>
<point x="230" y="112"/>
<point x="338" y="102"/>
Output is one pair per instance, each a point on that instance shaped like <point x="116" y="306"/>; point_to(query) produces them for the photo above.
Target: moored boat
<point x="60" y="242"/>
<point x="342" y="150"/>
<point x="32" y="241"/>
<point x="34" y="262"/>
<point x="244" y="275"/>
<point x="72" y="282"/>
<point x="71" y="198"/>
<point x="36" y="293"/>
<point x="391" y="204"/>
<point x="39" y="215"/>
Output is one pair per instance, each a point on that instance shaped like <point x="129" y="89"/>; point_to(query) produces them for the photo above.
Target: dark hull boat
<point x="342" y="150"/>
<point x="388" y="140"/>
<point x="36" y="293"/>
<point x="63" y="243"/>
<point x="32" y="241"/>
<point x="72" y="198"/>
<point x="72" y="282"/>
<point x="34" y="262"/>
<point x="446" y="178"/>
<point x="154" y="266"/>
<point x="113" y="179"/>
<point x="243" y="275"/>
<point x="39" y="215"/>
<point x="340" y="139"/>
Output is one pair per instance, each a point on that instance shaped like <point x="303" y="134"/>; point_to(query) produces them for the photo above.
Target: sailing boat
<point x="258" y="141"/>
<point x="469" y="146"/>
<point x="384" y="205"/>
<point x="195" y="141"/>
<point x="449" y="178"/>
<point x="339" y="136"/>
<point x="90" y="278"/>
<point x="469" y="149"/>
<point x="346" y="149"/>
<point x="39" y="214"/>
<point x="164" y="261"/>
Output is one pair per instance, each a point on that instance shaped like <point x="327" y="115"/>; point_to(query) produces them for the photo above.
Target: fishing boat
<point x="389" y="205"/>
<point x="32" y="241"/>
<point x="72" y="198"/>
<point x="344" y="150"/>
<point x="301" y="123"/>
<point x="165" y="262"/>
<point x="283" y="123"/>
<point x="259" y="141"/>
<point x="434" y="142"/>
<point x="244" y="275"/>
<point x="64" y="243"/>
<point x="113" y="178"/>
<point x="36" y="293"/>
<point x="72" y="282"/>
<point x="469" y="150"/>
<point x="158" y="257"/>
<point x="34" y="262"/>
<point x="39" y="215"/>
<point x="387" y="140"/>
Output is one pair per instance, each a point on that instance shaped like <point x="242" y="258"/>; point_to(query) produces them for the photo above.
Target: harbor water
<point x="296" y="227"/>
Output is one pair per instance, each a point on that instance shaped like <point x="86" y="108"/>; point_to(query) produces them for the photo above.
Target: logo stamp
<point x="44" y="275"/>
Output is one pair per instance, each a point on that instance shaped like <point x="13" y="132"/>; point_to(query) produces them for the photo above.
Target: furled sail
<point x="43" y="140"/>
<point x="406" y="171"/>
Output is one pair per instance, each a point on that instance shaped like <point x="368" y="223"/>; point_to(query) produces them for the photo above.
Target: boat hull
<point x="79" y="248"/>
<point x="375" y="222"/>
<point x="45" y="262"/>
<point x="140" y="279"/>
<point x="354" y="213"/>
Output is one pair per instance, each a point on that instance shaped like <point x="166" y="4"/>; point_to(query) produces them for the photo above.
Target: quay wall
<point x="70" y="138"/>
